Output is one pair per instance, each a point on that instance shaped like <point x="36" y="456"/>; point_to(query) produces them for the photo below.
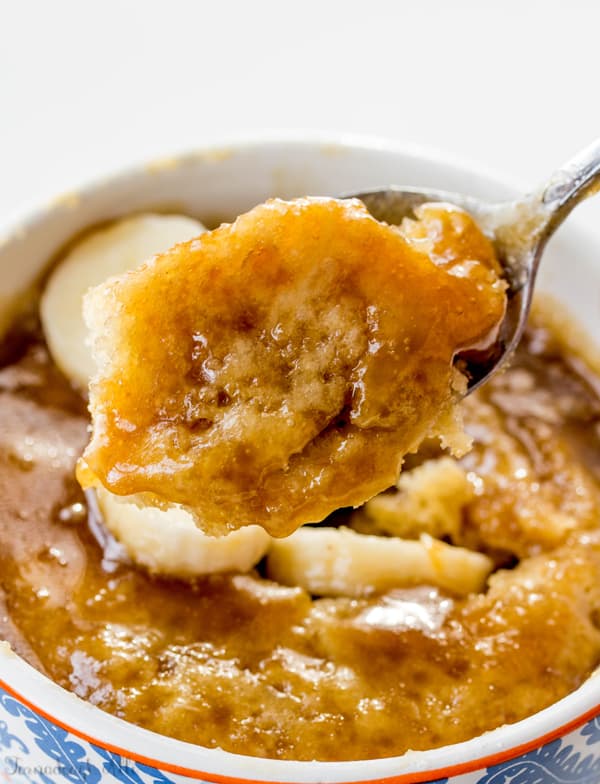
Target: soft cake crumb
<point x="429" y="499"/>
<point x="280" y="367"/>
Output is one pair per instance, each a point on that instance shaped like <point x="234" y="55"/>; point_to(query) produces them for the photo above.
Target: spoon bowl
<point x="519" y="230"/>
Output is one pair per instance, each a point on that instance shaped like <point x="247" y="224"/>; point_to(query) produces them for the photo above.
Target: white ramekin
<point x="46" y="733"/>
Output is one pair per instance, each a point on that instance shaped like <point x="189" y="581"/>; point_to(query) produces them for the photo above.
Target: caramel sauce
<point x="276" y="369"/>
<point x="238" y="662"/>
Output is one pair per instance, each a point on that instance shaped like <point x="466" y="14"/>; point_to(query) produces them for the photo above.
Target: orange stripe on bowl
<point x="404" y="778"/>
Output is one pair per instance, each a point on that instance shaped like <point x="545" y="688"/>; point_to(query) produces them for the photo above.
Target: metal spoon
<point x="519" y="230"/>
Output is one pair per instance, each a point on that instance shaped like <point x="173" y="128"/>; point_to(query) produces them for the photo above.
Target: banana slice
<point x="168" y="542"/>
<point x="341" y="562"/>
<point x="118" y="248"/>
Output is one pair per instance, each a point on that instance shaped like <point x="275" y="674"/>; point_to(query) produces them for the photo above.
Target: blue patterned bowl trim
<point x="35" y="750"/>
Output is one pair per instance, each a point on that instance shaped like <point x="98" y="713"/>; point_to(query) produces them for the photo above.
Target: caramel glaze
<point x="238" y="662"/>
<point x="302" y="352"/>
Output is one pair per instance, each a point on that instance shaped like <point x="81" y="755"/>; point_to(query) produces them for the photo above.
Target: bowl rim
<point x="316" y="769"/>
<point x="503" y="743"/>
<point x="26" y="214"/>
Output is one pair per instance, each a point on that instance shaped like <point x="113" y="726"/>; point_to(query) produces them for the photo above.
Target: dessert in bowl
<point x="267" y="671"/>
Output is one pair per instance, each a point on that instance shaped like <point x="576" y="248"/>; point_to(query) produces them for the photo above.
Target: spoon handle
<point x="574" y="181"/>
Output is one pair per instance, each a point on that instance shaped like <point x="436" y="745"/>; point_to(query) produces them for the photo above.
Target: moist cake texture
<point x="278" y="368"/>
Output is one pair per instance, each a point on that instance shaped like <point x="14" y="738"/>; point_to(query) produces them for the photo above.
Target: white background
<point x="513" y="85"/>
